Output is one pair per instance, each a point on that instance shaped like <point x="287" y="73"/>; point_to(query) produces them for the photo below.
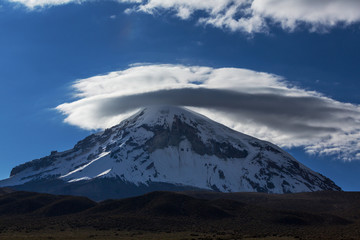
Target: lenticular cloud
<point x="256" y="103"/>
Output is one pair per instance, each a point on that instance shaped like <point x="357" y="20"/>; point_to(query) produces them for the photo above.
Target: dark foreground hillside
<point x="191" y="215"/>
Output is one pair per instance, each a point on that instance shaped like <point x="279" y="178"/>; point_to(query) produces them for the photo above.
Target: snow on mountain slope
<point x="165" y="144"/>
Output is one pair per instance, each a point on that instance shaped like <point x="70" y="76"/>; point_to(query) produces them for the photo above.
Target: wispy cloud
<point x="259" y="104"/>
<point x="250" y="16"/>
<point x="31" y="4"/>
<point x="318" y="14"/>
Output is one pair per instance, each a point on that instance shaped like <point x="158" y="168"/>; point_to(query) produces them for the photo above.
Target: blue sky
<point x="45" y="48"/>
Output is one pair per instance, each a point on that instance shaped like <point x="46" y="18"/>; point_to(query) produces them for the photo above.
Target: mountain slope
<point x="316" y="215"/>
<point x="171" y="146"/>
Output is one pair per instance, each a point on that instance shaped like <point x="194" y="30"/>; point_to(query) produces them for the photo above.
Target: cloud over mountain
<point x="259" y="104"/>
<point x="248" y="16"/>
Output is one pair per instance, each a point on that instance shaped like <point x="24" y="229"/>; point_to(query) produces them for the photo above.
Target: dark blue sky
<point x="43" y="51"/>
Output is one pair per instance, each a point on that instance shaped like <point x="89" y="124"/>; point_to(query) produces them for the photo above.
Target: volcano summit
<point x="167" y="148"/>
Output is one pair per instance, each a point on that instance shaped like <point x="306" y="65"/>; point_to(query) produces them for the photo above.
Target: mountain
<point x="167" y="148"/>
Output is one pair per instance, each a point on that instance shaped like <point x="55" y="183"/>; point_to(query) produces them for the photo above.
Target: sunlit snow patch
<point x="104" y="173"/>
<point x="79" y="179"/>
<point x="86" y="165"/>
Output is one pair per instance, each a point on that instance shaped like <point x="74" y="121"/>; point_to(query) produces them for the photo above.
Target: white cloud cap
<point x="259" y="104"/>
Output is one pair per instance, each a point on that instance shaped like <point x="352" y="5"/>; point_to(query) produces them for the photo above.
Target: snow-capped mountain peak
<point x="175" y="146"/>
